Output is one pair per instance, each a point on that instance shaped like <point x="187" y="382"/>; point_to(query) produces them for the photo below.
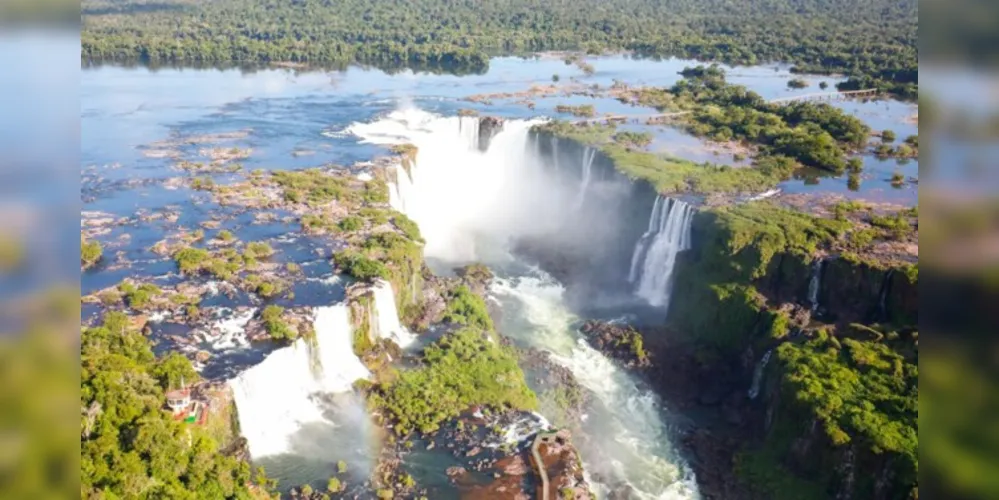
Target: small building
<point x="179" y="401"/>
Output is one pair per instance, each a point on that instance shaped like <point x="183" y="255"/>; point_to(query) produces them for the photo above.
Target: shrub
<point x="90" y="252"/>
<point x="467" y="308"/>
<point x="268" y="289"/>
<point x="407" y="226"/>
<point x="341" y="467"/>
<point x="797" y="83"/>
<point x="855" y="165"/>
<point x="258" y="249"/>
<point x="351" y="224"/>
<point x="887" y="136"/>
<point x="191" y="260"/>
<point x="334" y="485"/>
<point x="585" y="110"/>
<point x="461" y="369"/>
<point x="853" y="182"/>
<point x="359" y="266"/>
<point x="273" y="319"/>
<point x="226" y="235"/>
<point x="897" y="179"/>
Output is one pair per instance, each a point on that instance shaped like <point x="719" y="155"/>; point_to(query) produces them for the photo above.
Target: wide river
<point x="133" y="117"/>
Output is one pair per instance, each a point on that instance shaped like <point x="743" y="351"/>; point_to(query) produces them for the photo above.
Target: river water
<point x="131" y="118"/>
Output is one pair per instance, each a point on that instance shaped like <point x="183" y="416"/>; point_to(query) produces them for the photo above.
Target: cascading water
<point x="588" y="155"/>
<point x="626" y="438"/>
<point x="386" y="322"/>
<point x="276" y="399"/>
<point x="754" y="389"/>
<point x="813" y="285"/>
<point x="638" y="258"/>
<point x="655" y="253"/>
<point x="470" y="206"/>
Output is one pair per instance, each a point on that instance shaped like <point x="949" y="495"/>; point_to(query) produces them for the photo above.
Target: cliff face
<point x="835" y="413"/>
<point x="604" y="215"/>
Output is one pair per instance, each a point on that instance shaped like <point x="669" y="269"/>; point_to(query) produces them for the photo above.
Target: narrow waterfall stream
<point x="470" y="206"/>
<point x="761" y="366"/>
<point x="814" y="284"/>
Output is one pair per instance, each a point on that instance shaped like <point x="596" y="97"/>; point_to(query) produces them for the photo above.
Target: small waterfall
<point x="814" y="283"/>
<point x="883" y="296"/>
<point x="643" y="242"/>
<point x="386" y="322"/>
<point x="754" y="390"/>
<point x="669" y="234"/>
<point x="277" y="397"/>
<point x="588" y="155"/>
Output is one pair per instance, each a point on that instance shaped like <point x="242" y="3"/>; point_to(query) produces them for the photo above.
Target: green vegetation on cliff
<point x="462" y="369"/>
<point x="852" y="403"/>
<point x="130" y="446"/>
<point x="667" y="175"/>
<point x="845" y="394"/>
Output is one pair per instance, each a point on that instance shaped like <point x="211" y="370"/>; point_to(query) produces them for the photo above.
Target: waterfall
<point x="468" y="127"/>
<point x="455" y="191"/>
<point x="588" y="155"/>
<point x="386" y="322"/>
<point x="813" y="285"/>
<point x="883" y="296"/>
<point x="754" y="390"/>
<point x="277" y="398"/>
<point x="476" y="206"/>
<point x="554" y="141"/>
<point x="646" y="237"/>
<point x="656" y="251"/>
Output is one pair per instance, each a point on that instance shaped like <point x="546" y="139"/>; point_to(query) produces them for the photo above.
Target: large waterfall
<point x="655" y="253"/>
<point x="278" y="397"/>
<point x="470" y="205"/>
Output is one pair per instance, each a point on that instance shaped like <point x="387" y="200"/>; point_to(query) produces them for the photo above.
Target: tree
<point x="887" y="136"/>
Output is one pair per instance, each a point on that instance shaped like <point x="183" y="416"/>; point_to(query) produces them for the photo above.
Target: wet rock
<point x="618" y="341"/>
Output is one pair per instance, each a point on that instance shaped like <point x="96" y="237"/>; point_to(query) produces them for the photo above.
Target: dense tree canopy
<point x="130" y="446"/>
<point x="874" y="41"/>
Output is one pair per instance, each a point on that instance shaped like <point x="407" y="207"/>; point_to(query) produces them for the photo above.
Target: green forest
<point x="874" y="42"/>
<point x="130" y="446"/>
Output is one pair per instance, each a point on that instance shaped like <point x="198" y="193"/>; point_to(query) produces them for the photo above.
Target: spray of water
<point x="469" y="204"/>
